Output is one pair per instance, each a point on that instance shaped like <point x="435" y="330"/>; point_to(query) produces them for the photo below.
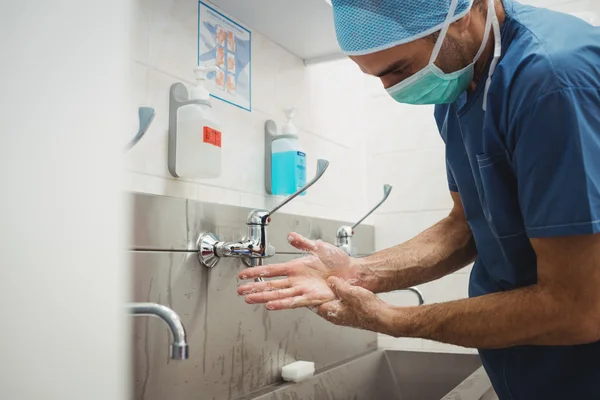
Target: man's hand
<point x="355" y="307"/>
<point x="304" y="281"/>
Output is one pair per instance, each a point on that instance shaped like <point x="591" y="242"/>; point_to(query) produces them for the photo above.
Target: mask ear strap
<point x="488" y="27"/>
<point x="444" y="31"/>
<point x="497" y="55"/>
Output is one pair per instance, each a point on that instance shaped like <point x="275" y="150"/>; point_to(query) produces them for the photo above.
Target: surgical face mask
<point x="431" y="85"/>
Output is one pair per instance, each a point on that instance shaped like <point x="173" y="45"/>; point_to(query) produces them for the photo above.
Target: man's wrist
<point x="396" y="321"/>
<point x="366" y="275"/>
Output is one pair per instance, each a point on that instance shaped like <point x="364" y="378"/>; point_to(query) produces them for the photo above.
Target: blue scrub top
<point x="529" y="167"/>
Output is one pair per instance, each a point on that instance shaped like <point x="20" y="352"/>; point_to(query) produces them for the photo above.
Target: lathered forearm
<point x="440" y="250"/>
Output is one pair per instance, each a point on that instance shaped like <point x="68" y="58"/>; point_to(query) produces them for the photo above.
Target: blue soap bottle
<point x="289" y="160"/>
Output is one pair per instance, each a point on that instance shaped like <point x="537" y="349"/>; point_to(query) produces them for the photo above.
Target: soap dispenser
<point x="289" y="160"/>
<point x="195" y="136"/>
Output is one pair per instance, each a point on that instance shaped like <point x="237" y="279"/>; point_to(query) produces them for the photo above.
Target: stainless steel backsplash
<point x="235" y="349"/>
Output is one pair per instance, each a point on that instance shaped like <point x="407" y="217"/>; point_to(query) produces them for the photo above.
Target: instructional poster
<point x="226" y="44"/>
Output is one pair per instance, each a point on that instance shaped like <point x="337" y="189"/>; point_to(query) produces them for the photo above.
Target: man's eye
<point x="399" y="71"/>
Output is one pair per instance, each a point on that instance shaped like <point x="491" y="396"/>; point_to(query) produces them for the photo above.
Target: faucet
<point x="255" y="247"/>
<point x="345" y="233"/>
<point x="179" y="347"/>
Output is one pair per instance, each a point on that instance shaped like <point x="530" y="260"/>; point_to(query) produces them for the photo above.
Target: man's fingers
<point x="269" y="271"/>
<point x="254" y="287"/>
<point x="302" y="243"/>
<point x="339" y="287"/>
<point x="346" y="291"/>
<point x="291" y="303"/>
<point x="265" y="297"/>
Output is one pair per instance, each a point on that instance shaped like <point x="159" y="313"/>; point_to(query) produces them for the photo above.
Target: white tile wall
<point x="329" y="98"/>
<point x="418" y="177"/>
<point x="408" y="153"/>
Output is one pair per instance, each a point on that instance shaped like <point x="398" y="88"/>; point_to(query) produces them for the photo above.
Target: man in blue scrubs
<point x="517" y="90"/>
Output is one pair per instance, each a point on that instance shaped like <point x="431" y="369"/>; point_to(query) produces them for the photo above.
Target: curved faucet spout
<point x="179" y="347"/>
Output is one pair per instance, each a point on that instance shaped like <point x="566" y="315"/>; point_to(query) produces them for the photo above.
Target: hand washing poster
<point x="226" y="44"/>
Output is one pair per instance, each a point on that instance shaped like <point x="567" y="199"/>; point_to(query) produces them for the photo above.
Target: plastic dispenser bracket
<point x="271" y="132"/>
<point x="146" y="116"/>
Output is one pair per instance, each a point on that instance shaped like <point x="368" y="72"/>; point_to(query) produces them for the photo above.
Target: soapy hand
<point x="303" y="281"/>
<point x="354" y="307"/>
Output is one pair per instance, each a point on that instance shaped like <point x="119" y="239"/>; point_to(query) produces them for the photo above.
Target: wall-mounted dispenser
<point x="195" y="135"/>
<point x="285" y="160"/>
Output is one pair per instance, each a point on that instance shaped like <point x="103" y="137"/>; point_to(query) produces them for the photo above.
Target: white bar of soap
<point x="298" y="371"/>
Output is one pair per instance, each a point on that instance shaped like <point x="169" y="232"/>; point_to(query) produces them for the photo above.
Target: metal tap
<point x="345" y="233"/>
<point x="179" y="347"/>
<point x="255" y="247"/>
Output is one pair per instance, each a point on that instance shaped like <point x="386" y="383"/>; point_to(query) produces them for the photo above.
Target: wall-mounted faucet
<point x="345" y="233"/>
<point x="255" y="247"/>
<point x="179" y="347"/>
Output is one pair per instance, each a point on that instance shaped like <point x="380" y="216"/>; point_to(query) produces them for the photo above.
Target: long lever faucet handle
<point x="387" y="189"/>
<point x="322" y="166"/>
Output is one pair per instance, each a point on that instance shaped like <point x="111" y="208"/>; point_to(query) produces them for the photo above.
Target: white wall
<point x="409" y="154"/>
<point x="327" y="96"/>
<point x="62" y="269"/>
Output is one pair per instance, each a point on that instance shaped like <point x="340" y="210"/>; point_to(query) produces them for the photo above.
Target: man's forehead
<point x="386" y="61"/>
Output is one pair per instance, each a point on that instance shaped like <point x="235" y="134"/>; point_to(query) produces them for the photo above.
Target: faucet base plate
<point x="206" y="250"/>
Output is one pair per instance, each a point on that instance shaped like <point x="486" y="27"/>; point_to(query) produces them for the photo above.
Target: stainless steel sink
<point x="386" y="375"/>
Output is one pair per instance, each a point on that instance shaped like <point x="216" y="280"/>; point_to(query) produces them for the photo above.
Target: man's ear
<point x="461" y="27"/>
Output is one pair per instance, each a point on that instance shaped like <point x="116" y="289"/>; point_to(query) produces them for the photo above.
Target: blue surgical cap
<point x="369" y="26"/>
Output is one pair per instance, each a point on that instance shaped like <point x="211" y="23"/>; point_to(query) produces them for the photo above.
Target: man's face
<point x="398" y="63"/>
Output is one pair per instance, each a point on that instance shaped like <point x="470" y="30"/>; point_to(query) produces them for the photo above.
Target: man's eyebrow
<point x="400" y="64"/>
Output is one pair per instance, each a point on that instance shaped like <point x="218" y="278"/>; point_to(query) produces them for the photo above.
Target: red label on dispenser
<point x="212" y="136"/>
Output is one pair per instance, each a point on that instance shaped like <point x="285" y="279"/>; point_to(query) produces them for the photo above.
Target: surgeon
<point x="517" y="94"/>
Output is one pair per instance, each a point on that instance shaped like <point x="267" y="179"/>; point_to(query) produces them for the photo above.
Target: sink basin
<point x="386" y="375"/>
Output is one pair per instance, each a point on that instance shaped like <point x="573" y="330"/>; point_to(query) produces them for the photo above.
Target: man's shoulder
<point x="549" y="52"/>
